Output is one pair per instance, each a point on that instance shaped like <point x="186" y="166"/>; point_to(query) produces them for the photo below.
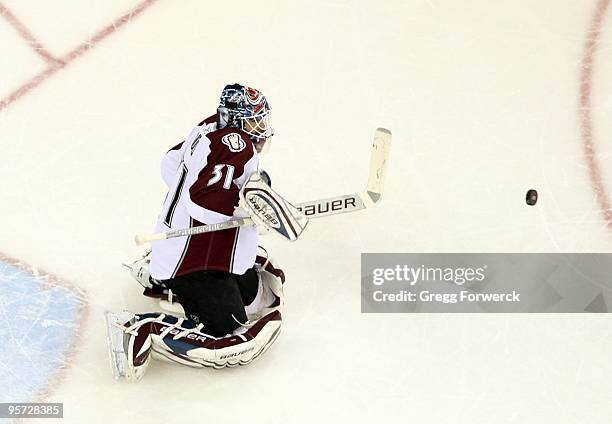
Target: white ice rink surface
<point x="484" y="101"/>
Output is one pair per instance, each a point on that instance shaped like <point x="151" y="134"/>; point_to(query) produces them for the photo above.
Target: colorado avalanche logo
<point x="234" y="142"/>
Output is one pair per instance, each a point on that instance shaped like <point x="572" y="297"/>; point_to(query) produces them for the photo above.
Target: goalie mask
<point x="247" y="109"/>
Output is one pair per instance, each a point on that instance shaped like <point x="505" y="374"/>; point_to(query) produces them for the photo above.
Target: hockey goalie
<point x="223" y="300"/>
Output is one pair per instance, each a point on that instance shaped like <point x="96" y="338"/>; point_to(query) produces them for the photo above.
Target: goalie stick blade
<point x="378" y="165"/>
<point x="332" y="206"/>
<point x="357" y="201"/>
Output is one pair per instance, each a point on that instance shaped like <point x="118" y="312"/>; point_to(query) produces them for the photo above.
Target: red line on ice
<point x="586" y="118"/>
<point x="59" y="64"/>
<point x="27" y="35"/>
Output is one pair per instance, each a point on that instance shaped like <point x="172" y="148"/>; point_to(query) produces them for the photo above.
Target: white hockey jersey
<point x="204" y="175"/>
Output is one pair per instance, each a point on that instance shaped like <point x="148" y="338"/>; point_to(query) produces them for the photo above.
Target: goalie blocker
<point x="270" y="211"/>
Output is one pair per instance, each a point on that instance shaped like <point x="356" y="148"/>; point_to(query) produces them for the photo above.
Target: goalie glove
<point x="139" y="270"/>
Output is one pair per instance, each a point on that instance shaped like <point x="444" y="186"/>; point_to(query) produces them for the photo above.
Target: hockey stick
<point x="357" y="201"/>
<point x="146" y="238"/>
<point x="316" y="208"/>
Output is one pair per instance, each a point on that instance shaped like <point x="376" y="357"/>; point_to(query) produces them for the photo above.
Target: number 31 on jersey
<point x="218" y="175"/>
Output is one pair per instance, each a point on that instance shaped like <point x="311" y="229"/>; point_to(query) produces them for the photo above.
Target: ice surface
<point x="39" y="332"/>
<point x="484" y="102"/>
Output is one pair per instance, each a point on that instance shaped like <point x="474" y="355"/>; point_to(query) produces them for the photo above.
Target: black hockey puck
<point x="532" y="197"/>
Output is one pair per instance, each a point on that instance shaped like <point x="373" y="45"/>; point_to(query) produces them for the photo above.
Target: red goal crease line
<point x="56" y="64"/>
<point x="586" y="86"/>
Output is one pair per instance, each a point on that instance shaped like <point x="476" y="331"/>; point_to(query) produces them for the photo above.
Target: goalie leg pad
<point x="129" y="340"/>
<point x="270" y="294"/>
<point x="133" y="339"/>
<point x="193" y="347"/>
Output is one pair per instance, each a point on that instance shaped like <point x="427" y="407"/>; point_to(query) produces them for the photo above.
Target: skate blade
<point x="115" y="336"/>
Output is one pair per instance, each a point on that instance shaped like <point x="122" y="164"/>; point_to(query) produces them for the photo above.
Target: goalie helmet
<point x="247" y="109"/>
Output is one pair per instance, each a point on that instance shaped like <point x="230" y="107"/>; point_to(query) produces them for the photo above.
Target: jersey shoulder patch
<point x="229" y="142"/>
<point x="234" y="142"/>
